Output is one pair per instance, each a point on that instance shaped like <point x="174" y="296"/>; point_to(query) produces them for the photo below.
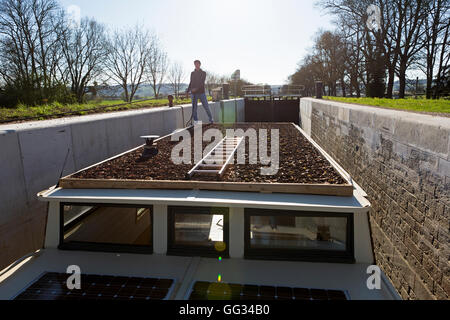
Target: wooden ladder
<point x="216" y="162"/>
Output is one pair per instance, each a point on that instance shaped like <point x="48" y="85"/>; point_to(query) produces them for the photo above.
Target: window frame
<point x="306" y="255"/>
<point x="102" y="247"/>
<point x="186" y="250"/>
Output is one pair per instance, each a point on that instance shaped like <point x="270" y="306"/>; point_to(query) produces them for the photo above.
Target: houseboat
<point x="143" y="226"/>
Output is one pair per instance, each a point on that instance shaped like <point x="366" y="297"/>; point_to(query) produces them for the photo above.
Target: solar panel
<point x="202" y="290"/>
<point x="52" y="286"/>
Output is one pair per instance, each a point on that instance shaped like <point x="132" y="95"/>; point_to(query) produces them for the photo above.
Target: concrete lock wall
<point x="402" y="161"/>
<point x="33" y="153"/>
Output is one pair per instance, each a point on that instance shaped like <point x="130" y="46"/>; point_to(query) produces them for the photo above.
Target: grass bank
<point x="411" y="104"/>
<point x="58" y="110"/>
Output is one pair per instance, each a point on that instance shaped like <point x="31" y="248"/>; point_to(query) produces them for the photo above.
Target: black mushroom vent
<point x="150" y="149"/>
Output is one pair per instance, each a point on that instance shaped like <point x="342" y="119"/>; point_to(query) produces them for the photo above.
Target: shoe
<point x="197" y="123"/>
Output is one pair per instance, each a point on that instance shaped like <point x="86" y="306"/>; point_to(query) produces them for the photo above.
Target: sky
<point x="265" y="39"/>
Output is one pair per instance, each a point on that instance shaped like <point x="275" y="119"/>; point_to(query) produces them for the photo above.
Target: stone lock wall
<point x="401" y="160"/>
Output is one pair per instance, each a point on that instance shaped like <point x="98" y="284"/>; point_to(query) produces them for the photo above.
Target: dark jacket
<point x="197" y="84"/>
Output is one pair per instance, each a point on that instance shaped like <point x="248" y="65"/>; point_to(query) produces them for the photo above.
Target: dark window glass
<point x="198" y="231"/>
<point x="304" y="236"/>
<point x="306" y="233"/>
<point x="107" y="225"/>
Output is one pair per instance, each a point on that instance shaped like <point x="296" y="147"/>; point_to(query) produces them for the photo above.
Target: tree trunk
<point x="429" y="86"/>
<point x="436" y="94"/>
<point x="344" y="93"/>
<point x="402" y="78"/>
<point x="155" y="90"/>
<point x="350" y="86"/>
<point x="125" y="87"/>
<point x="80" y="96"/>
<point x="390" y="86"/>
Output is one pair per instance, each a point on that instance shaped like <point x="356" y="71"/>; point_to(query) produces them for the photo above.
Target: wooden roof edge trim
<point x="313" y="189"/>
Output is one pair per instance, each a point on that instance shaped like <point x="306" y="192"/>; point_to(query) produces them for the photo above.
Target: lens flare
<point x="220" y="246"/>
<point x="219" y="291"/>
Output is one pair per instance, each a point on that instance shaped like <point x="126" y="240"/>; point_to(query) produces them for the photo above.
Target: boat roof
<point x="304" y="167"/>
<point x="210" y="198"/>
<point x="187" y="270"/>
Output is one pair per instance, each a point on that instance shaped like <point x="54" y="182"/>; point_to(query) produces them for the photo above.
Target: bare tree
<point x="443" y="72"/>
<point x="128" y="56"/>
<point x="84" y="52"/>
<point x="405" y="28"/>
<point x="176" y="77"/>
<point x="157" y="66"/>
<point x="30" y="31"/>
<point x="213" y="80"/>
<point x="307" y="73"/>
<point x="352" y="58"/>
<point x="330" y="52"/>
<point x="435" y="26"/>
<point x="412" y="15"/>
<point x="359" y="46"/>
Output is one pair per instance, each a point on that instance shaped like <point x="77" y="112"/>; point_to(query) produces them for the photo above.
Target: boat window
<point x="198" y="231"/>
<point x="291" y="235"/>
<point x="114" y="228"/>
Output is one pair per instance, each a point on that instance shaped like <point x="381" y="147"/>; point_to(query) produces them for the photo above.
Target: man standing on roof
<point x="197" y="89"/>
